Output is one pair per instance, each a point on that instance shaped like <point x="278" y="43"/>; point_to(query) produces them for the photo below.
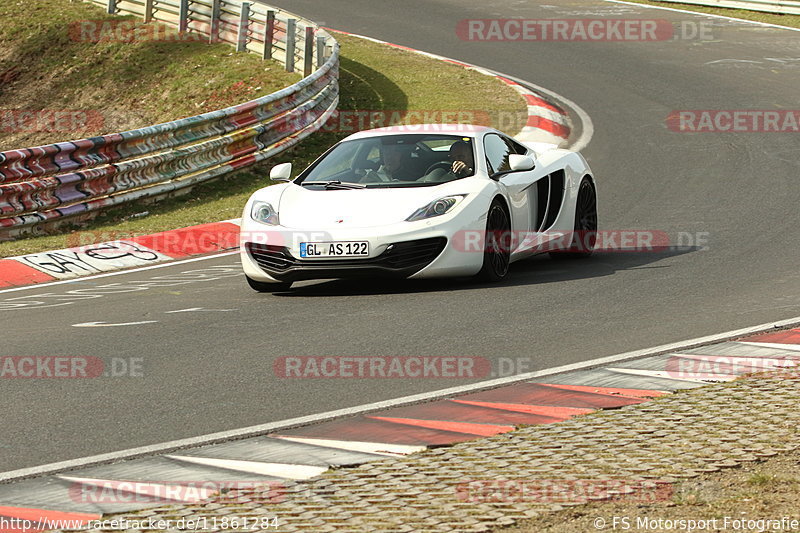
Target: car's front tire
<point x="261" y="286"/>
<point x="497" y="244"/>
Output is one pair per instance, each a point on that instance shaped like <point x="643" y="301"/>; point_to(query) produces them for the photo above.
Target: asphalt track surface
<point x="210" y="370"/>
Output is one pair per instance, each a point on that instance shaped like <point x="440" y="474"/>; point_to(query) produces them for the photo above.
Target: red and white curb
<point x="546" y="122"/>
<point x="298" y="452"/>
<point x="116" y="255"/>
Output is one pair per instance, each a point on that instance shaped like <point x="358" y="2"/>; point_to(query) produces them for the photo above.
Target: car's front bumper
<point x="400" y="259"/>
<point x="412" y="250"/>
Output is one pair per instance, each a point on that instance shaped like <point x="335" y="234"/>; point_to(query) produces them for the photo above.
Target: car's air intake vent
<point x="400" y="258"/>
<point x="405" y="254"/>
<point x="270" y="257"/>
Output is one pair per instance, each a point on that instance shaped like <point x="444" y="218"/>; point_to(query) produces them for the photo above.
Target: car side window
<point x="497" y="152"/>
<point x="516" y="148"/>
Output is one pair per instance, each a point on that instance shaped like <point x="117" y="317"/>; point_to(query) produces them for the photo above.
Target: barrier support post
<point x="216" y="8"/>
<point x="308" y="52"/>
<point x="320" y="51"/>
<point x="183" y="16"/>
<point x="244" y="26"/>
<point x="269" y="34"/>
<point x="291" y="32"/>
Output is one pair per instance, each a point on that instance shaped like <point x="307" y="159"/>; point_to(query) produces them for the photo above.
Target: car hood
<point x="303" y="208"/>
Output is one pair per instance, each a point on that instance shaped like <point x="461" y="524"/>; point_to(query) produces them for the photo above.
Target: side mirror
<point x="282" y="172"/>
<point x="517" y="162"/>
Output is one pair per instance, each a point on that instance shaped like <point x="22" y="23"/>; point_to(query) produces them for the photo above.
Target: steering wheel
<point x="441" y="164"/>
<point x="372" y="176"/>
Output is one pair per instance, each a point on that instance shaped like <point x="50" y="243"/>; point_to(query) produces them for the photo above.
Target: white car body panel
<point x="378" y="215"/>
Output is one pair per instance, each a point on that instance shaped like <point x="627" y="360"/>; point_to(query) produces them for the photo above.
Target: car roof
<point x="464" y="130"/>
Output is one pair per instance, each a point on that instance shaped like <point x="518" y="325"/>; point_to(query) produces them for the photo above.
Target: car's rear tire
<point x="261" y="286"/>
<point x="497" y="244"/>
<point x="584" y="239"/>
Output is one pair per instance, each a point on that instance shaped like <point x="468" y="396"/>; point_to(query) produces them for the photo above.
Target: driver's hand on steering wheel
<point x="460" y="168"/>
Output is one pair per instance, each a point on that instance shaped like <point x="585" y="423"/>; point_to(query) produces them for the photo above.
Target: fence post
<point x="244" y="26"/>
<point x="320" y="51"/>
<point x="112" y="7"/>
<point x="308" y="55"/>
<point x="148" y="11"/>
<point x="213" y="33"/>
<point x="183" y="16"/>
<point x="269" y="34"/>
<point x="290" y="38"/>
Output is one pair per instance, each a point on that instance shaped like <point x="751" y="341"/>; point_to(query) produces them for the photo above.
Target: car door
<point x="520" y="186"/>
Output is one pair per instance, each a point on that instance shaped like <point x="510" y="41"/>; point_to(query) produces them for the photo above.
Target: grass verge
<point x="50" y="62"/>
<point x="372" y="77"/>
<point x="736" y="499"/>
<point x="792" y="21"/>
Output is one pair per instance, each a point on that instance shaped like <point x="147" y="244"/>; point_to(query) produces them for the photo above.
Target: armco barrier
<point x="67" y="181"/>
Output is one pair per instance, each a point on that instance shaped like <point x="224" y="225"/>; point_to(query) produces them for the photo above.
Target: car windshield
<point x="416" y="160"/>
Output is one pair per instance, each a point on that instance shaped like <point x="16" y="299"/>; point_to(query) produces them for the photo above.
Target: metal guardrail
<point x="47" y="185"/>
<point x="767" y="6"/>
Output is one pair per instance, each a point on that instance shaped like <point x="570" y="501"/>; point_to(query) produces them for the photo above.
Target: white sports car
<point x="418" y="201"/>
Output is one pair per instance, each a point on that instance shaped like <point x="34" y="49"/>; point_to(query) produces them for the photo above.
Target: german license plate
<point x="334" y="249"/>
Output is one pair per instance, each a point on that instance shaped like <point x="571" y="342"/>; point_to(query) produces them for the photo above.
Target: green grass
<point x="793" y="21"/>
<point x="47" y="64"/>
<point x="372" y="77"/>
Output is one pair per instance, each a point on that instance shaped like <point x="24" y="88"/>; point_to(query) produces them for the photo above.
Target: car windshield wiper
<point x="336" y="184"/>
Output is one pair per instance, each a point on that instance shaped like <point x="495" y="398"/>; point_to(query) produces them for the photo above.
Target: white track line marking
<point x="377" y="448"/>
<point x="107" y="325"/>
<point x="119" y="272"/>
<point x="775" y="345"/>
<point x="672" y="375"/>
<point x="272" y="427"/>
<point x="768" y="361"/>
<point x="192" y="309"/>
<point x="283" y="470"/>
<point x="677" y="10"/>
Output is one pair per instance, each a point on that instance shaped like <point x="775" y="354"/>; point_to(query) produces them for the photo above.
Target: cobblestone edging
<point x="677" y="436"/>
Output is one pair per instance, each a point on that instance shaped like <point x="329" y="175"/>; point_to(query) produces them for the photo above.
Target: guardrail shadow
<point x="362" y="90"/>
<point x="537" y="270"/>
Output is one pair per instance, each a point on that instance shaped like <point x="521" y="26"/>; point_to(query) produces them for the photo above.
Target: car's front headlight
<point x="436" y="207"/>
<point x="264" y="212"/>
